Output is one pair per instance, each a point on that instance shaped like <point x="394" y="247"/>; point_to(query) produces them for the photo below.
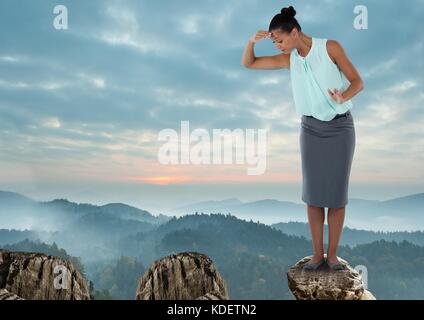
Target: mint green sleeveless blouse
<point x="311" y="77"/>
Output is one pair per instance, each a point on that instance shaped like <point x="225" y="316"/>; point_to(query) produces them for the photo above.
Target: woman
<point x="322" y="95"/>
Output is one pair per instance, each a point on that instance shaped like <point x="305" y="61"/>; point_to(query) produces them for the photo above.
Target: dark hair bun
<point x="289" y="12"/>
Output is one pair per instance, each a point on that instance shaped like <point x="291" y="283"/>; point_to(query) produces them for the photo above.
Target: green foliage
<point x="102" y="295"/>
<point x="13" y="236"/>
<point x="395" y="269"/>
<point x="118" y="280"/>
<point x="52" y="250"/>
<point x="352" y="236"/>
<point x="253" y="258"/>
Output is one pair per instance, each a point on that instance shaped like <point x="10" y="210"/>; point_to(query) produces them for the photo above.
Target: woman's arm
<point x="249" y="60"/>
<point x="338" y="55"/>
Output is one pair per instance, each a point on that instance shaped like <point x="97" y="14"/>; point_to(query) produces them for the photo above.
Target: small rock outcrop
<point x="326" y="284"/>
<point x="182" y="276"/>
<point x="367" y="296"/>
<point x="36" y="276"/>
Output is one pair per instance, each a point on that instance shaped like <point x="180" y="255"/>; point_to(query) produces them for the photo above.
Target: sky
<point x="81" y="109"/>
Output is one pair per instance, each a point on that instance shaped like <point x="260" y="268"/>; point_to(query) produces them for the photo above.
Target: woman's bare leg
<point x="335" y="226"/>
<point x="316" y="218"/>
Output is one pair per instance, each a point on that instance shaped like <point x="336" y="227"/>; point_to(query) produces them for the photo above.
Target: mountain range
<point x="114" y="240"/>
<point x="398" y="214"/>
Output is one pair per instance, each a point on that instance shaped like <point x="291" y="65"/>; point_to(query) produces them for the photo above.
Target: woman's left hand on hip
<point x="336" y="95"/>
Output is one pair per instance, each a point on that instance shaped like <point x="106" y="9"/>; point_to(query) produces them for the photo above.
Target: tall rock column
<point x="37" y="276"/>
<point x="182" y="276"/>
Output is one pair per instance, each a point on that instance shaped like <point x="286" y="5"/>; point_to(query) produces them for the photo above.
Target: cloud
<point x="126" y="69"/>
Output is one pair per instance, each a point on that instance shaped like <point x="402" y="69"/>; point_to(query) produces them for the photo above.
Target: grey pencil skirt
<point x="327" y="149"/>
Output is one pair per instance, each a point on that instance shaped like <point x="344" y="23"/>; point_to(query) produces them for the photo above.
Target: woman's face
<point x="283" y="41"/>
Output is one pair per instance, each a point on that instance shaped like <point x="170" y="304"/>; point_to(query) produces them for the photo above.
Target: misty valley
<point x="113" y="245"/>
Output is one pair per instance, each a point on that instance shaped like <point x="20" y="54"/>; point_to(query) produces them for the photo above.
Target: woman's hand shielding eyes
<point x="261" y="34"/>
